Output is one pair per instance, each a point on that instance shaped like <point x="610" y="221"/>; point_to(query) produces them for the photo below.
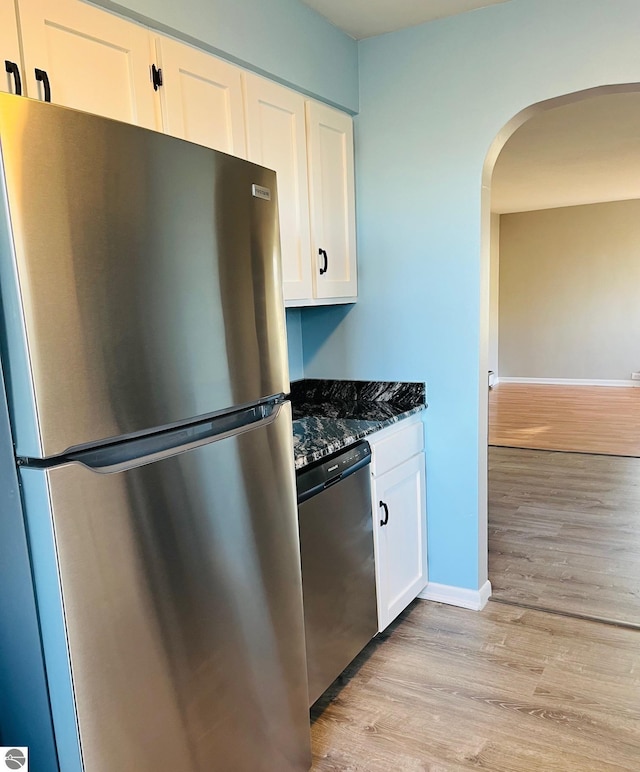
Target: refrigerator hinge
<point x="156" y="77"/>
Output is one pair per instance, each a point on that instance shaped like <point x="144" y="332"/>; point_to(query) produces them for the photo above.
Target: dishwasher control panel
<point x="316" y="477"/>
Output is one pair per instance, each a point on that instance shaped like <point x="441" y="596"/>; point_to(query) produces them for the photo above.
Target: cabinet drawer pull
<point x="42" y="76"/>
<point x="12" y="69"/>
<point x="386" y="513"/>
<point x="325" y="260"/>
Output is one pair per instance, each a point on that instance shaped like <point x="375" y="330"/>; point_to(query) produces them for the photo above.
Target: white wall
<point x="570" y="292"/>
<point x="433" y="98"/>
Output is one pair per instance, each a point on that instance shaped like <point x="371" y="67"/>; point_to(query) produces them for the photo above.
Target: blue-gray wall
<point x="294" y="340"/>
<point x="432" y="100"/>
<point x="282" y="39"/>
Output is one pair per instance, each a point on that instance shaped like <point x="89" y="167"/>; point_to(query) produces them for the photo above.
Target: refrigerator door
<point x="140" y="276"/>
<point x="179" y="585"/>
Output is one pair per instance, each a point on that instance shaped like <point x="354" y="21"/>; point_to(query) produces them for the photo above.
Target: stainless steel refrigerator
<point x="151" y="594"/>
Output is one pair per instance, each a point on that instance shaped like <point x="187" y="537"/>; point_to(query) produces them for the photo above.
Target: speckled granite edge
<point x="316" y="437"/>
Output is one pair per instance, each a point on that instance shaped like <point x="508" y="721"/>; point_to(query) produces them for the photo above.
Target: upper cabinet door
<point x="92" y="60"/>
<point x="332" y="199"/>
<point x="276" y="138"/>
<point x="201" y="98"/>
<point x="9" y="48"/>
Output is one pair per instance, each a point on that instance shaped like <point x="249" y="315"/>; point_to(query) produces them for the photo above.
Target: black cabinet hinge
<point x="156" y="77"/>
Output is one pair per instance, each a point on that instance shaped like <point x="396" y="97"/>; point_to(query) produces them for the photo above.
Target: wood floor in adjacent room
<point x="507" y="690"/>
<point x="564" y="532"/>
<point x="587" y="419"/>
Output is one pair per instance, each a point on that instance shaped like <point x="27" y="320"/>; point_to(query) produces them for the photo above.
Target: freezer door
<point x="179" y="584"/>
<point x="140" y="276"/>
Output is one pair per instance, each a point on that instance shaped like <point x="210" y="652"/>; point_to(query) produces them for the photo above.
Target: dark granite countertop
<point x="331" y="415"/>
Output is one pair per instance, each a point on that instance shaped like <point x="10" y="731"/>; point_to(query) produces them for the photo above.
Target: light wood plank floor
<point x="564" y="532"/>
<point x="506" y="690"/>
<point x="588" y="419"/>
<point x="513" y="689"/>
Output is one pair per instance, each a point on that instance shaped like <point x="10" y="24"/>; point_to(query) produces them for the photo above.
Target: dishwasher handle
<point x="332" y="481"/>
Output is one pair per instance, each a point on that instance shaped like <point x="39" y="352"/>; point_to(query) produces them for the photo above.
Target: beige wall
<point x="494" y="283"/>
<point x="570" y="292"/>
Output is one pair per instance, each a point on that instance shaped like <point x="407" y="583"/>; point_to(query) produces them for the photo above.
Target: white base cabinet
<point x="398" y="487"/>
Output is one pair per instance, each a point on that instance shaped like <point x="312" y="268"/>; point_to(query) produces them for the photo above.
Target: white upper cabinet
<point x="83" y="57"/>
<point x="332" y="201"/>
<point x="276" y="138"/>
<point x="201" y="98"/>
<point x="88" y="59"/>
<point x="10" y="60"/>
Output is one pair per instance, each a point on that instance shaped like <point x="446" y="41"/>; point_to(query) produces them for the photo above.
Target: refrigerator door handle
<point x="132" y="453"/>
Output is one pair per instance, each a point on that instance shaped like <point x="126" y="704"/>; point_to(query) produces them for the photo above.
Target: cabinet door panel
<point x="201" y="98"/>
<point x="401" y="541"/>
<point x="95" y="61"/>
<point x="276" y="138"/>
<point x="332" y="198"/>
<point x="9" y="45"/>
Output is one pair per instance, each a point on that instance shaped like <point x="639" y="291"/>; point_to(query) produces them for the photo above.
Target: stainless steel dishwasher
<point x="338" y="572"/>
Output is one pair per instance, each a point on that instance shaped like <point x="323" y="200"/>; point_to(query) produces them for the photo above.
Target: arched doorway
<point x="566" y="570"/>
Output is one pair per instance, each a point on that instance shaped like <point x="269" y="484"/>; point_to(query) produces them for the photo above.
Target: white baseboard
<point x="475" y="600"/>
<point x="568" y="381"/>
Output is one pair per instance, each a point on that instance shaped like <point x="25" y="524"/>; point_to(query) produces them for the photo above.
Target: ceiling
<point x="582" y="153"/>
<point x="366" y="18"/>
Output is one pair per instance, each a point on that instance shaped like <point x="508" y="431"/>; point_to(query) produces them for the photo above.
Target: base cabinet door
<point x="400" y="536"/>
<point x="201" y="98"/>
<point x="82" y="57"/>
<point x="12" y="72"/>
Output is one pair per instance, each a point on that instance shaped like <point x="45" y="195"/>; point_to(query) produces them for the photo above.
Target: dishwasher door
<point x="338" y="572"/>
